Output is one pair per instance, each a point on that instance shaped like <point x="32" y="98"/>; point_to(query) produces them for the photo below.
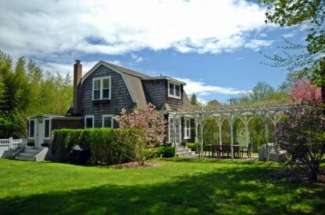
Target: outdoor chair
<point x="247" y="150"/>
<point x="226" y="149"/>
<point x="236" y="150"/>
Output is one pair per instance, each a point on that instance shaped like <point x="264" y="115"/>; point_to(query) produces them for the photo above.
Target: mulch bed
<point x="135" y="165"/>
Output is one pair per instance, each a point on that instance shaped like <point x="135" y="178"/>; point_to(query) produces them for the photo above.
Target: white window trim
<point x="101" y="88"/>
<point x="50" y="128"/>
<point x="31" y="137"/>
<point x="87" y="117"/>
<point x="170" y="128"/>
<point x="112" y="120"/>
<point x="174" y="90"/>
<point x="186" y="137"/>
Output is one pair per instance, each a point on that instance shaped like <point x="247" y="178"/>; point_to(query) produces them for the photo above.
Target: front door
<point x="178" y="129"/>
<point x="39" y="137"/>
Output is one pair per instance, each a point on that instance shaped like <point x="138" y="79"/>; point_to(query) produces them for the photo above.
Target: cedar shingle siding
<point x="120" y="96"/>
<point x="156" y="92"/>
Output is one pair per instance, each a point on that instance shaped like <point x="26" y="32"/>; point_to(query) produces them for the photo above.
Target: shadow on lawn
<point x="230" y="191"/>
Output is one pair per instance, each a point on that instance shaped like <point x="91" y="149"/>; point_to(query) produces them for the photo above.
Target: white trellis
<point x="270" y="114"/>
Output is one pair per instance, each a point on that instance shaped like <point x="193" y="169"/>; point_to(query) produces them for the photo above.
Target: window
<point x="96" y="91"/>
<point x="107" y="121"/>
<point x="174" y="90"/>
<point x="31" y="131"/>
<point x="187" y="129"/>
<point x="102" y="88"/>
<point x="47" y="128"/>
<point x="89" y="121"/>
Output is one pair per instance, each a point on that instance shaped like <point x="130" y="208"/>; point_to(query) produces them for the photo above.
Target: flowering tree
<point x="303" y="91"/>
<point x="147" y="119"/>
<point x="302" y="135"/>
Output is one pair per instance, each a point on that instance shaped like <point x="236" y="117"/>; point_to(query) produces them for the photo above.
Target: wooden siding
<point x="157" y="94"/>
<point x="67" y="123"/>
<point x="120" y="97"/>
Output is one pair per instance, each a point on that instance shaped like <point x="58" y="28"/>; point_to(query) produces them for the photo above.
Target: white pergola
<point x="270" y="114"/>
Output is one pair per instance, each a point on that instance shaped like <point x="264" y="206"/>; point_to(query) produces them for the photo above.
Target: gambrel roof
<point x="132" y="80"/>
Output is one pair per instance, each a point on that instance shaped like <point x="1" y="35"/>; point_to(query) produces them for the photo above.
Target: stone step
<point x="31" y="150"/>
<point x="185" y="152"/>
<point x="25" y="158"/>
<point x="28" y="154"/>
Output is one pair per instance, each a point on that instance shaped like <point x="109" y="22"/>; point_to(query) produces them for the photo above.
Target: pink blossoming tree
<point x="148" y="119"/>
<point x="303" y="91"/>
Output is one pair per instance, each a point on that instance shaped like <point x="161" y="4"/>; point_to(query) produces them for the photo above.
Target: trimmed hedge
<point x="105" y="145"/>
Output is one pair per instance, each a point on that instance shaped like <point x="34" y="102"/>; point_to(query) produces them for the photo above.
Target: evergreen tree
<point x="194" y="99"/>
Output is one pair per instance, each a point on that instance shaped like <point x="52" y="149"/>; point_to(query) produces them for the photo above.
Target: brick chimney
<point x="77" y="74"/>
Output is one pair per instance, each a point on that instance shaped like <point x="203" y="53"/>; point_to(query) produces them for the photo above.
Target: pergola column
<point x="232" y="135"/>
<point x="266" y="127"/>
<point x="220" y="131"/>
<point x="196" y="130"/>
<point x="245" y="120"/>
<point x="201" y="135"/>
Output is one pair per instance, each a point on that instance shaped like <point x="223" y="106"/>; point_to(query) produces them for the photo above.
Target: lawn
<point x="170" y="187"/>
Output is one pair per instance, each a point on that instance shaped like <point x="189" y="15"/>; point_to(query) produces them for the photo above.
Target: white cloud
<point x="257" y="44"/>
<point x="38" y="27"/>
<point x="136" y="58"/>
<point x="288" y="35"/>
<point x="64" y="68"/>
<point x="202" y="89"/>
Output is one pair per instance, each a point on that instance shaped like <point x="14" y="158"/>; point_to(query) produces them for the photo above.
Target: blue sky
<point x="214" y="46"/>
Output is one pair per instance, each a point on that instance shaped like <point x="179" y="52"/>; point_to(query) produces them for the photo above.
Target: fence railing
<point x="12" y="143"/>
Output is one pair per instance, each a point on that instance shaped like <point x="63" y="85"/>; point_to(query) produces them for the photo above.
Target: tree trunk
<point x="322" y="74"/>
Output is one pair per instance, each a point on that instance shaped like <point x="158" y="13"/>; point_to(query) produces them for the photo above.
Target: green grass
<point x="172" y="187"/>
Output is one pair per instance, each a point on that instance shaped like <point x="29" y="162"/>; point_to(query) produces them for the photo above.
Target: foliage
<point x="213" y="105"/>
<point x="302" y="134"/>
<point x="25" y="91"/>
<point x="194" y="99"/>
<point x="107" y="146"/>
<point x="166" y="151"/>
<point x="148" y="119"/>
<point x="304" y="91"/>
<point x="262" y="93"/>
<point x="193" y="146"/>
<point x="311" y="14"/>
<point x="210" y="131"/>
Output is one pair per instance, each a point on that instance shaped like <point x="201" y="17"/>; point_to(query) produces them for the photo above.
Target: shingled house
<point x="101" y="93"/>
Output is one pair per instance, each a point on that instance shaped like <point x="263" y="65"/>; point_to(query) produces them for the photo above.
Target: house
<point x="101" y="93"/>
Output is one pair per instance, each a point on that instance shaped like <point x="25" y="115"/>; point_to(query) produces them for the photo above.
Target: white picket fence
<point x="11" y="143"/>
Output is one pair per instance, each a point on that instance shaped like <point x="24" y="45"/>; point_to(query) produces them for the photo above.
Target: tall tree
<point x="25" y="91"/>
<point x="310" y="13"/>
<point x="261" y="91"/>
<point x="194" y="99"/>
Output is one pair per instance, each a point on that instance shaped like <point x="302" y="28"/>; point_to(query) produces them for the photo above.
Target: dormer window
<point x="102" y="88"/>
<point x="174" y="90"/>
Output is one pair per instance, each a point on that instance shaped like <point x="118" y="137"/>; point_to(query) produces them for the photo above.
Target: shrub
<point x="302" y="134"/>
<point x="193" y="146"/>
<point x="166" y="151"/>
<point x="106" y="146"/>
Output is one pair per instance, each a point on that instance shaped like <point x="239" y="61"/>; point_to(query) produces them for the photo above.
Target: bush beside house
<point x="98" y="146"/>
